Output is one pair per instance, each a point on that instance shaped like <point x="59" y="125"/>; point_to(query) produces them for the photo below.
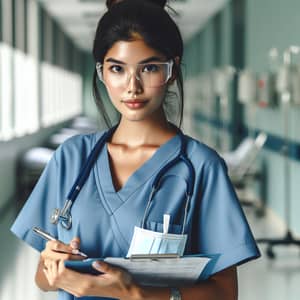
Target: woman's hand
<point x="53" y="257"/>
<point x="52" y="274"/>
<point x="113" y="282"/>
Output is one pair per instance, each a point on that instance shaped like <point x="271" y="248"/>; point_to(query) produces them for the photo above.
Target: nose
<point x="134" y="83"/>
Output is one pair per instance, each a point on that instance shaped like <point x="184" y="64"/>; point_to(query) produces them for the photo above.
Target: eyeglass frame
<point x="170" y="64"/>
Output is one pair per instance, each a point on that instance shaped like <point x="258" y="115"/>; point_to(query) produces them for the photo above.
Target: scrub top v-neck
<point x="104" y="180"/>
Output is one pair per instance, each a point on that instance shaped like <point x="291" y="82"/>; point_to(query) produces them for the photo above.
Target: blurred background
<point x="242" y="83"/>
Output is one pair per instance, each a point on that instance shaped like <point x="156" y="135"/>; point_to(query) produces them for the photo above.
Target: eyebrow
<point x="149" y="59"/>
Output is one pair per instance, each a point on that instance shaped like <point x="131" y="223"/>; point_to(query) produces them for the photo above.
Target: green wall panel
<point x="226" y="35"/>
<point x="270" y="23"/>
<point x="275" y="23"/>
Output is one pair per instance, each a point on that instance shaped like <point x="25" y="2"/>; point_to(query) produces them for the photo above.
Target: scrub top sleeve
<point x="38" y="207"/>
<point x="223" y="228"/>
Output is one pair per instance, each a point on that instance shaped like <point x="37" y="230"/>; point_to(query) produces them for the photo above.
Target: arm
<point x="222" y="285"/>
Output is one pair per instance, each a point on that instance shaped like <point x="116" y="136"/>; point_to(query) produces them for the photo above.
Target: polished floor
<point x="263" y="279"/>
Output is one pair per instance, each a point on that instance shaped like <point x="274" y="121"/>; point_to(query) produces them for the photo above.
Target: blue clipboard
<point x="155" y="271"/>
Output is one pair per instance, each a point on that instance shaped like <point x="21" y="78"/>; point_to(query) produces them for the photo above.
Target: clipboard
<point x="157" y="269"/>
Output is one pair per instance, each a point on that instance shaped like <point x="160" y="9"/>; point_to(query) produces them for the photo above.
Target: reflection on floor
<point x="262" y="279"/>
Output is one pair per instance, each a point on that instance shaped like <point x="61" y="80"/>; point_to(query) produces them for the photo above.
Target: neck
<point x="146" y="132"/>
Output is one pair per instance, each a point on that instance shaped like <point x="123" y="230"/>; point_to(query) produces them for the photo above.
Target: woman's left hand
<point x="114" y="282"/>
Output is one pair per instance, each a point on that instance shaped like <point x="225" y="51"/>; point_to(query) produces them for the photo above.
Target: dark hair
<point x="147" y="18"/>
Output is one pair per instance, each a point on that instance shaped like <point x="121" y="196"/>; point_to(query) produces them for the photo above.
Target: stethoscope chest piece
<point x="66" y="219"/>
<point x="54" y="218"/>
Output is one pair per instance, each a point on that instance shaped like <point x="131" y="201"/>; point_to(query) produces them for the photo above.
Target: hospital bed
<point x="32" y="162"/>
<point x="243" y="170"/>
<point x="29" y="168"/>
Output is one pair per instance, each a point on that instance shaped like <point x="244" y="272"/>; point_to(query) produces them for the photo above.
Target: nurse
<point x="138" y="54"/>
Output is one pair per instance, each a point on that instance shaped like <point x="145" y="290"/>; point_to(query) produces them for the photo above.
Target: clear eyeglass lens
<point x="149" y="75"/>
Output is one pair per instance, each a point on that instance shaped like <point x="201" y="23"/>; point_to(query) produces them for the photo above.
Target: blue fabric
<point x="104" y="219"/>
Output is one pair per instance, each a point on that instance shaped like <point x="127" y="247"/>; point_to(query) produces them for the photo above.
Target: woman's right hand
<point x="53" y="256"/>
<point x="57" y="251"/>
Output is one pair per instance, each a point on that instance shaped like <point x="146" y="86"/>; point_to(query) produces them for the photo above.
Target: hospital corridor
<point x="241" y="85"/>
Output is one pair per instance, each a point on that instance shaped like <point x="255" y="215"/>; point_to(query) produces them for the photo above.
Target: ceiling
<point x="79" y="18"/>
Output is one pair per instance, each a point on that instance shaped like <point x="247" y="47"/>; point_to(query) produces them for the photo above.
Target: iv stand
<point x="286" y="96"/>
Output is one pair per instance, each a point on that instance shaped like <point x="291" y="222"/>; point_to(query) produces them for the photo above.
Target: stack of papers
<point x="165" y="271"/>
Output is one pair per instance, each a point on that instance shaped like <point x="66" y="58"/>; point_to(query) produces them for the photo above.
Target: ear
<point x="174" y="71"/>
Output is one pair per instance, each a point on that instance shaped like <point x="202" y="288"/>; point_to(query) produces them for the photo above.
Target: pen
<point x="45" y="235"/>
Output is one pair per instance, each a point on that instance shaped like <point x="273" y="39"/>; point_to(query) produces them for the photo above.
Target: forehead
<point x="131" y="52"/>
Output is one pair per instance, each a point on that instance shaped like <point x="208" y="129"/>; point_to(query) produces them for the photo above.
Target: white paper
<point x="162" y="271"/>
<point x="146" y="241"/>
<point x="166" y="223"/>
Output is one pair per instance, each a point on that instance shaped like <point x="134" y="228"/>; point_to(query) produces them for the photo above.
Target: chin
<point x="135" y="118"/>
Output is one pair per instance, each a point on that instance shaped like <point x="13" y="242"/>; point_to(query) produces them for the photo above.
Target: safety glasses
<point x="153" y="74"/>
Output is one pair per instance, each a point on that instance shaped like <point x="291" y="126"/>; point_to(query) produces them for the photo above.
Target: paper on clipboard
<point x="164" y="271"/>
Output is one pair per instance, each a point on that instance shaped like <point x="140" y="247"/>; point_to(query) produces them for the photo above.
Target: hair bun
<point x="161" y="3"/>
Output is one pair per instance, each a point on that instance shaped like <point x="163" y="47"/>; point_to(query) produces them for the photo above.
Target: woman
<point x="138" y="52"/>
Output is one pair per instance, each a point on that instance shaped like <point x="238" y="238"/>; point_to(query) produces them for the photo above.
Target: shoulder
<point x="78" y="145"/>
<point x="203" y="156"/>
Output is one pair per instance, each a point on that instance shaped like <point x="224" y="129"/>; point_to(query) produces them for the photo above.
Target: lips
<point x="134" y="103"/>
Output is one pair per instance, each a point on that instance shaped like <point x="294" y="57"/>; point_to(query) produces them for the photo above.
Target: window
<point x="33" y="91"/>
<point x="62" y="93"/>
<point x="6" y="75"/>
<point x="6" y="103"/>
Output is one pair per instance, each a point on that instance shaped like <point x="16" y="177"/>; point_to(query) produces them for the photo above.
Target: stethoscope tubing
<point x="190" y="182"/>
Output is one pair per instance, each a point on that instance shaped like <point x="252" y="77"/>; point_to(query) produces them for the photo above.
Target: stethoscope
<point x="64" y="216"/>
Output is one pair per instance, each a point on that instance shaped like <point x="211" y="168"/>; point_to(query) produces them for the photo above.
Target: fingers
<point x="58" y="246"/>
<point x="56" y="250"/>
<point x="75" y="243"/>
<point x="116" y="272"/>
<point x="51" y="272"/>
<point x="102" y="267"/>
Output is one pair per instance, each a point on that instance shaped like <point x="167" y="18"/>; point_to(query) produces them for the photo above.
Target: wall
<point x="209" y="49"/>
<point x="268" y="23"/>
<point x="275" y="23"/>
<point x="89" y="106"/>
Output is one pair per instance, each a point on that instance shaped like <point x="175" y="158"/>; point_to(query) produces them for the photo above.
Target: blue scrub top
<point x="104" y="218"/>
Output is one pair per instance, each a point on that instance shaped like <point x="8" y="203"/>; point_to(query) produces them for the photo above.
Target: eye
<point x="151" y="68"/>
<point x="116" y="69"/>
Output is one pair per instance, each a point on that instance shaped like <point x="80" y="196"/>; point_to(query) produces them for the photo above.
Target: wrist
<point x="151" y="293"/>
